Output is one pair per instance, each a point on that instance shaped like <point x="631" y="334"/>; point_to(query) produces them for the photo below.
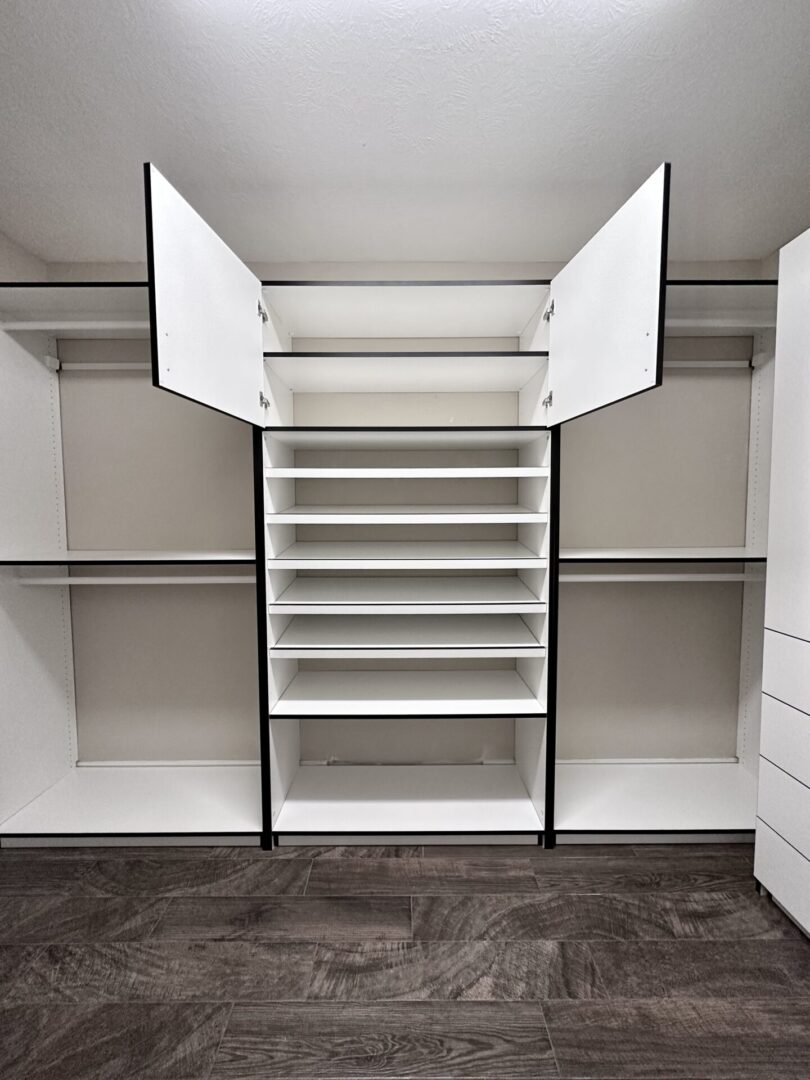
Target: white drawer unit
<point x="786" y="669"/>
<point x="784" y="803"/>
<point x="783" y="837"/>
<point x="785" y="873"/>
<point x="786" y="738"/>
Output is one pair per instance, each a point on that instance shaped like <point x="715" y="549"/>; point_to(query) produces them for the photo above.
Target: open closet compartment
<point x="407" y="696"/>
<point x="664" y="521"/>
<point x="406" y="446"/>
<point x="126" y="548"/>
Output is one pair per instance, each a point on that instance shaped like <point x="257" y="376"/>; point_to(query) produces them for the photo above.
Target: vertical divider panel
<point x="552" y="624"/>
<point x="259" y="459"/>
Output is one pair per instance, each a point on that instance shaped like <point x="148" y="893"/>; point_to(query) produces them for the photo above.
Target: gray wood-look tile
<point x="14" y="962"/>
<point x="411" y="877"/>
<point x="595" y="916"/>
<point x="77" y="918"/>
<point x="166" y="971"/>
<point x="507" y="1041"/>
<point x="633" y="874"/>
<point x="188" y="877"/>
<point x="450" y="971"/>
<point x="743" y="850"/>
<point x="526" y="851"/>
<point x="721" y="1040"/>
<point x="35" y="875"/>
<point x="704" y="969"/>
<point x="336" y="851"/>
<point x="306" y="918"/>
<point x="109" y="1042"/>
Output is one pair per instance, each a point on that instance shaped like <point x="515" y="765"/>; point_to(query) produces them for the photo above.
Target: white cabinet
<point x="782" y="861"/>
<point x="403" y="464"/>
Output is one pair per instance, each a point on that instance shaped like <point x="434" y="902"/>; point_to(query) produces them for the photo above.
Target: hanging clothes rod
<point x="214" y="579"/>
<point x="577" y="579"/>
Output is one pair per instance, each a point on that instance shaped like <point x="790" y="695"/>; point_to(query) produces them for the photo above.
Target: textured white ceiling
<point x="403" y="129"/>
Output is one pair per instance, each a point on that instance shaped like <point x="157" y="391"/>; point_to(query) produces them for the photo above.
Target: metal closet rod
<point x="579" y="579"/>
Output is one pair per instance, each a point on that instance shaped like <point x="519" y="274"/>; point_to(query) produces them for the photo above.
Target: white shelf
<point x="711" y="310"/>
<point x="462" y="438"/>
<point x="406" y="595"/>
<point x="409" y="473"/>
<point x="607" y="796"/>
<point x="661" y="554"/>
<point x="405" y="310"/>
<point x="76" y="311"/>
<point x="333" y="636"/>
<point x="167" y="579"/>
<point x="407" y="555"/>
<point x="208" y="799"/>
<point x="415" y="514"/>
<point x="407" y="798"/>
<point x="459" y="692"/>
<point x="116" y="557"/>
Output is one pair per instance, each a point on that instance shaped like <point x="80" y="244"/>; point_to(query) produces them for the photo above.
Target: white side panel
<point x="37" y="715"/>
<point x="606" y="330"/>
<point x="207" y="332"/>
<point x="787" y="603"/>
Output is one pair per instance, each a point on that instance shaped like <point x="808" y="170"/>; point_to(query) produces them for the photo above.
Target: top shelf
<point x="76" y="309"/>
<point x="662" y="554"/>
<point x="381" y="310"/>
<point x="125" y="558"/>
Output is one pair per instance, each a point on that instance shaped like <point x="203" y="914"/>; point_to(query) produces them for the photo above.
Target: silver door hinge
<point x="548" y="399"/>
<point x="548" y="312"/>
<point x="263" y="313"/>
<point x="264" y="401"/>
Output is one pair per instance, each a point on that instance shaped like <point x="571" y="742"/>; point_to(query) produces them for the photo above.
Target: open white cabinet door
<point x="606" y="309"/>
<point x="205" y="309"/>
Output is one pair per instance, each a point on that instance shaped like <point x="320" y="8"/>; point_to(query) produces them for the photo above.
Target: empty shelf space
<point x="406" y="309"/>
<point x="123" y="558"/>
<point x="407" y="798"/>
<point x="408" y="555"/>
<point x="401" y="595"/>
<point x="609" y="796"/>
<point x="402" y="636"/>
<point x="408" y="693"/>
<point x="414" y="473"/>
<point x="426" y="514"/>
<point x="148" y="799"/>
<point x="406" y="438"/>
<point x="663" y="554"/>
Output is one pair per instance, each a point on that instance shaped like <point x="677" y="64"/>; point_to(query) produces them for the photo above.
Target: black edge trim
<point x="662" y="282"/>
<point x="466" y="282"/>
<point x="74" y="285"/>
<point x="150" y="270"/>
<point x="669" y="559"/>
<point x="676" y="831"/>
<point x="723" y="281"/>
<point x="122" y="835"/>
<point x="784" y="633"/>
<point x="403" y="716"/>
<point x="409" y="832"/>
<point x="261" y="633"/>
<point x="399" y="430"/>
<point x="128" y="562"/>
<point x="552" y="623"/>
<point x="511" y="353"/>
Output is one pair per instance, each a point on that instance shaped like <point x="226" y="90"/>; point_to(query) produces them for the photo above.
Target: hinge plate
<point x="548" y="312"/>
<point x="263" y="313"/>
<point x="264" y="401"/>
<point x="548" y="399"/>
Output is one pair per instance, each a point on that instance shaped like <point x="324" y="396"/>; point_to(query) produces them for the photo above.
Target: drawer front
<point x="786" y="670"/>
<point x="786" y="738"/>
<point x="784" y="873"/>
<point x="784" y="804"/>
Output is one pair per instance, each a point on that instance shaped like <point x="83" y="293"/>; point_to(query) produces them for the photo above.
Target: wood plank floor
<point x="618" y="963"/>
